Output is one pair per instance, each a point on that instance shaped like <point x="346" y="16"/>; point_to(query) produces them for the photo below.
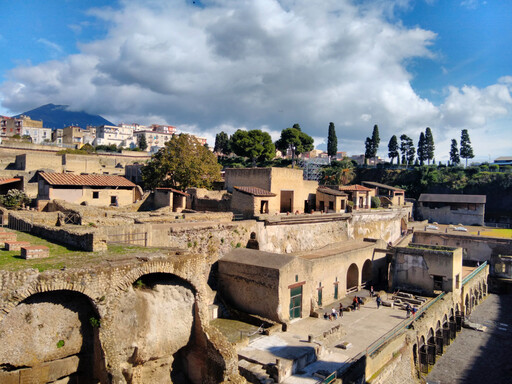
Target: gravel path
<point x="480" y="357"/>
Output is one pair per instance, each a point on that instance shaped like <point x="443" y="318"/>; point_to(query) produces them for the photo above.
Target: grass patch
<point x="60" y="255"/>
<point x="494" y="232"/>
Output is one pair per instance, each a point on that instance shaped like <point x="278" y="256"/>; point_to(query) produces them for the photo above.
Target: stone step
<point x="254" y="373"/>
<point x="7" y="236"/>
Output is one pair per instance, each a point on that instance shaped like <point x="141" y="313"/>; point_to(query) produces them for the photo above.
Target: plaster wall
<point x="475" y="248"/>
<point x="445" y="215"/>
<point x="245" y="204"/>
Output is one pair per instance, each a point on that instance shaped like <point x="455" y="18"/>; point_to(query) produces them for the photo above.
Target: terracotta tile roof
<point x="330" y="191"/>
<point x="355" y="187"/>
<point x="8" y="180"/>
<point x="172" y="190"/>
<point x="255" y="191"/>
<point x="87" y="180"/>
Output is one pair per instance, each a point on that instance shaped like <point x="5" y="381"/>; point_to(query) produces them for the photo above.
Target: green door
<point x="320" y="297"/>
<point x="295" y="302"/>
<point x="335" y="291"/>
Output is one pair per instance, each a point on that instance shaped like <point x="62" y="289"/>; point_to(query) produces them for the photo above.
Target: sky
<point x="221" y="65"/>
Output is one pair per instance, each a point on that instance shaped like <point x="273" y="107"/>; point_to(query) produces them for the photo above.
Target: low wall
<point x="85" y="239"/>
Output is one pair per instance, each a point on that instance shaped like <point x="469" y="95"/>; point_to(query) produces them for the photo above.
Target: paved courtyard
<point x="360" y="328"/>
<point x="480" y="357"/>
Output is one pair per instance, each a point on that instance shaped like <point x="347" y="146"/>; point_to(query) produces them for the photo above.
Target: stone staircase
<point x="254" y="373"/>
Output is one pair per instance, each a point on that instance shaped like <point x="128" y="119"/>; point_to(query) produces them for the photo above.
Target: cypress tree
<point x="393" y="149"/>
<point x="332" y="141"/>
<point x="422" y="149"/>
<point x="375" y="141"/>
<point x="429" y="138"/>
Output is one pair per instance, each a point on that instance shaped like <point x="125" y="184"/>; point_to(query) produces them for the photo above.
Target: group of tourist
<point x="334" y="313"/>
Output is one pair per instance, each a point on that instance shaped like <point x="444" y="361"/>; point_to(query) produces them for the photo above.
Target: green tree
<point x="338" y="173"/>
<point x="407" y="149"/>
<point x="143" y="144"/>
<point x="332" y="141"/>
<point x="466" y="151"/>
<point x="368" y="149"/>
<point x="221" y="143"/>
<point x="454" y="153"/>
<point x="429" y="139"/>
<point x="393" y="149"/>
<point x="295" y="140"/>
<point x="375" y="141"/>
<point x="422" y="149"/>
<point x="181" y="164"/>
<point x="254" y="144"/>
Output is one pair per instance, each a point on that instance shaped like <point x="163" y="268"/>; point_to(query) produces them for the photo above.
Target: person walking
<point x="372" y="293"/>
<point x="408" y="309"/>
<point x="341" y="309"/>
<point x="379" y="301"/>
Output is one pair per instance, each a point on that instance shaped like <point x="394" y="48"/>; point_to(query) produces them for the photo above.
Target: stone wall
<point x="445" y="215"/>
<point x="145" y="332"/>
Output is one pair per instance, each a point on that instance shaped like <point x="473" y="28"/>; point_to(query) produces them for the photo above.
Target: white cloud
<point x="53" y="47"/>
<point x="254" y="64"/>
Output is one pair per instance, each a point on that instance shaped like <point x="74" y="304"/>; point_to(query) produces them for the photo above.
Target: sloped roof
<point x="255" y="191"/>
<point x="452" y="198"/>
<point x="383" y="186"/>
<point x="172" y="190"/>
<point x="257" y="258"/>
<point x="86" y="180"/>
<point x="330" y="191"/>
<point x="8" y="180"/>
<point x="355" y="187"/>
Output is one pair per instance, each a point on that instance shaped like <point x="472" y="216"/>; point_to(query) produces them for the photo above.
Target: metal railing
<point x="407" y="322"/>
<point x="138" y="238"/>
<point x="474" y="273"/>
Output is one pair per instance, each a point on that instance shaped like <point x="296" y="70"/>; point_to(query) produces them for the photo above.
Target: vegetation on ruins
<point x="254" y="144"/>
<point x="295" y="141"/>
<point x="181" y="164"/>
<point x="332" y="141"/>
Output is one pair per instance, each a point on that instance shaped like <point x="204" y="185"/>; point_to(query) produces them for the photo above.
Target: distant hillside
<point x="57" y="116"/>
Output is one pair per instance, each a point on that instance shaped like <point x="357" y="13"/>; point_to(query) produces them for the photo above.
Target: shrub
<point x="14" y="199"/>
<point x="60" y="343"/>
<point x="375" y="202"/>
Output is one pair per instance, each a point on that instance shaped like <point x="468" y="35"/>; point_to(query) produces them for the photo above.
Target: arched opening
<point x="367" y="274"/>
<point x="423" y="354"/>
<point x="467" y="305"/>
<point x="59" y="329"/>
<point x="446" y="330"/>
<point x="162" y="336"/>
<point x="431" y="347"/>
<point x="352" y="278"/>
<point x="439" y="338"/>
<point x="415" y="355"/>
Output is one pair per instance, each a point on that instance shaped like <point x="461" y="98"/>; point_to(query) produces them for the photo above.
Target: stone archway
<point x="467" y="305"/>
<point x="159" y="339"/>
<point x="57" y="336"/>
<point x="367" y="273"/>
<point x="352" y="278"/>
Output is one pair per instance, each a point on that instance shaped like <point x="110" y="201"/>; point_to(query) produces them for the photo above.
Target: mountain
<point x="57" y="116"/>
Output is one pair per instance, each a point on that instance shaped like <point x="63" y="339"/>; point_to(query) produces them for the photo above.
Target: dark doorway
<point x="286" y="201"/>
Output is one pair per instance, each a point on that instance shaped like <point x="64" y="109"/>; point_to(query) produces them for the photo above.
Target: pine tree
<point x="429" y="138"/>
<point x="407" y="149"/>
<point x="393" y="149"/>
<point x="332" y="141"/>
<point x="422" y="149"/>
<point x="466" y="151"/>
<point x="454" y="153"/>
<point x="221" y="143"/>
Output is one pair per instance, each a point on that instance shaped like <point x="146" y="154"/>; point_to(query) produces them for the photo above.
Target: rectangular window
<point x="438" y="283"/>
<point x="95" y="195"/>
<point x="457" y="281"/>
